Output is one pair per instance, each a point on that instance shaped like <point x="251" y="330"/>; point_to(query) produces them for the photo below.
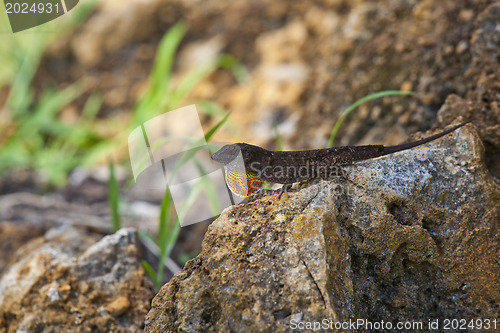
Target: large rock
<point x="68" y="281"/>
<point x="412" y="236"/>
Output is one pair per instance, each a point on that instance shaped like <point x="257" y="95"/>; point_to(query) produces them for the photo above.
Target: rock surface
<point x="69" y="281"/>
<point x="414" y="236"/>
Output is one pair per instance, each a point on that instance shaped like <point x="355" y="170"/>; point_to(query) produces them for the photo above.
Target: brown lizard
<point x="258" y="166"/>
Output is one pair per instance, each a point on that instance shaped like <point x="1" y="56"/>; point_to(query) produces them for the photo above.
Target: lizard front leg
<point x="284" y="189"/>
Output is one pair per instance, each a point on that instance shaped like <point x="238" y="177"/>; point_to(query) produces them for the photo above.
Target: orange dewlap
<point x="243" y="185"/>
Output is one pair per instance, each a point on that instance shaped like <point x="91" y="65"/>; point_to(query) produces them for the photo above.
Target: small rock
<point x="64" y="282"/>
<point x="119" y="306"/>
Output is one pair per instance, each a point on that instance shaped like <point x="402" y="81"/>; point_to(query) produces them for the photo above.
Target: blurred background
<point x="72" y="90"/>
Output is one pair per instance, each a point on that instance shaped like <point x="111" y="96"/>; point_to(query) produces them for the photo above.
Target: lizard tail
<point x="394" y="149"/>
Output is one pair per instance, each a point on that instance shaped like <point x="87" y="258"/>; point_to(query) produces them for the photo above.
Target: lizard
<point x="258" y="166"/>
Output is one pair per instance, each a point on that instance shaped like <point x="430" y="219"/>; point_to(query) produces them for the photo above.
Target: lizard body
<point x="261" y="166"/>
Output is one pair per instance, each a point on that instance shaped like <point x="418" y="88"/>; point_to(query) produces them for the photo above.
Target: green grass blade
<point x="165" y="55"/>
<point x="210" y="108"/>
<point x="43" y="119"/>
<point x="160" y="76"/>
<point x="278" y="138"/>
<point x="168" y="230"/>
<point x="146" y="236"/>
<point x="188" y="83"/>
<point x="237" y="68"/>
<point x="21" y="94"/>
<point x="114" y="198"/>
<point x="210" y="190"/>
<point x="214" y="129"/>
<point x="202" y="71"/>
<point x="150" y="271"/>
<point x="91" y="107"/>
<point x="359" y="102"/>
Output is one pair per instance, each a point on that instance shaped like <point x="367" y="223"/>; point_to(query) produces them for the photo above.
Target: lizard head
<point x="249" y="153"/>
<point x="227" y="153"/>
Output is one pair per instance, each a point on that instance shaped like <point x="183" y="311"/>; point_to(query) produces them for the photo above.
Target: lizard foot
<point x="262" y="193"/>
<point x="284" y="189"/>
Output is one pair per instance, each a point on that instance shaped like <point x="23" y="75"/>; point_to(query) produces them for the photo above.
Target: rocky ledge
<point x="410" y="237"/>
